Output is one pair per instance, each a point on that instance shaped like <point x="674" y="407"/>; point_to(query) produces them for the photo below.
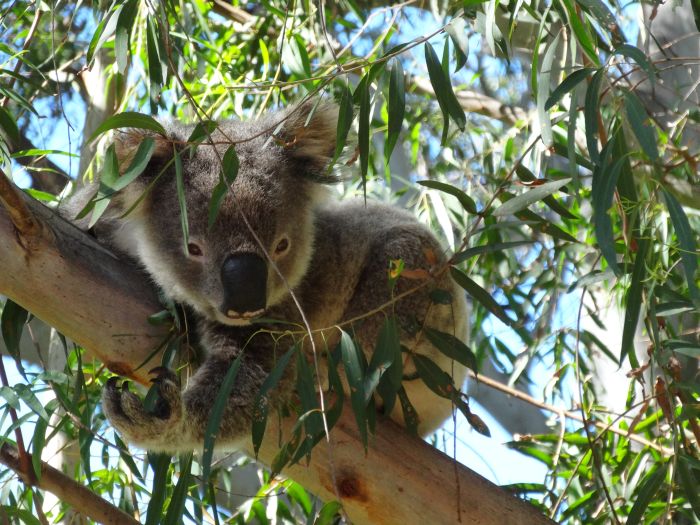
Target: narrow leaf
<point x="452" y="347"/>
<point x="363" y="130"/>
<point x="638" y="117"/>
<point x="223" y="398"/>
<point x="590" y="115"/>
<point x="261" y="404"/>
<point x="568" y="84"/>
<point x="457" y="29"/>
<point x="181" y="198"/>
<point x="12" y="323"/>
<point x="138" y="164"/>
<point x="353" y="369"/>
<point x="443" y="88"/>
<point x="543" y="89"/>
<point x="648" y="489"/>
<point x="128" y="119"/>
<point x="481" y="295"/>
<point x="529" y="197"/>
<point x="176" y="506"/>
<point x="467" y="254"/>
<point x="396" y="107"/>
<point x="687" y="240"/>
<point x="633" y="301"/>
<point x="345" y="116"/>
<point x="465" y="200"/>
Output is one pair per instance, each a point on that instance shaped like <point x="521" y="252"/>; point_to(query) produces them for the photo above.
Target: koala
<point x="280" y="246"/>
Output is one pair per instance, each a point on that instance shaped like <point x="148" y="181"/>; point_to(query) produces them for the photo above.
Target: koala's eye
<point x="282" y="246"/>
<point x="194" y="249"/>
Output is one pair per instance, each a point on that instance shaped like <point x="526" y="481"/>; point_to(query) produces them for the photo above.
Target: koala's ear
<point x="127" y="142"/>
<point x="309" y="133"/>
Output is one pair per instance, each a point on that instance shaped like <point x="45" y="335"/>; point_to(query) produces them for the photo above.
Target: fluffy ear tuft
<point x="309" y="133"/>
<point x="127" y="142"/>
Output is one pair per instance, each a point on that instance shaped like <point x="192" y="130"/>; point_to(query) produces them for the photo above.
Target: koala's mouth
<point x="234" y="318"/>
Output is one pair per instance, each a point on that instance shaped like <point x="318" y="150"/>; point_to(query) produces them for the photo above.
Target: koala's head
<point x="225" y="272"/>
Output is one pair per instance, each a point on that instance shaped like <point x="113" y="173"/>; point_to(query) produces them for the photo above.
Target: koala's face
<point x="262" y="240"/>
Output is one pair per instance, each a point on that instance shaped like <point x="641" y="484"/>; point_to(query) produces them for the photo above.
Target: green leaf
<point x="363" y="129"/>
<point x="138" y="164"/>
<point x="633" y="301"/>
<point x="176" y="506"/>
<point x="181" y="198"/>
<point x="352" y="362"/>
<point x="160" y="464"/>
<point x="481" y="295"/>
<point x="433" y="376"/>
<point x="457" y="29"/>
<point x="328" y="513"/>
<point x="583" y="36"/>
<point x="128" y="119"/>
<point x="9" y="125"/>
<point x="603" y="188"/>
<point x="568" y="84"/>
<point x="689" y="482"/>
<point x="467" y="254"/>
<point x="639" y="57"/>
<point x="122" y="37"/>
<point x="345" y="116"/>
<point x="590" y="114"/>
<point x="443" y="88"/>
<point x="688" y="248"/>
<point x="543" y="90"/>
<point x="12" y="323"/>
<point x="103" y="32"/>
<point x="229" y="171"/>
<point x="396" y="107"/>
<point x="638" y="117"/>
<point x="38" y="442"/>
<point x="261" y="404"/>
<point x="223" y="398"/>
<point x="155" y="69"/>
<point x="465" y="200"/>
<point x="537" y="193"/>
<point x="452" y="347"/>
<point x="647" y="490"/>
<point x="386" y="362"/>
<point x="201" y="131"/>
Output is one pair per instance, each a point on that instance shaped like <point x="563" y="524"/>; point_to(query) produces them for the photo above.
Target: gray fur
<point x="336" y="261"/>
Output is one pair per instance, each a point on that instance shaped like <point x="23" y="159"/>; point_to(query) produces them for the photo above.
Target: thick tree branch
<point x="66" y="489"/>
<point x="400" y="480"/>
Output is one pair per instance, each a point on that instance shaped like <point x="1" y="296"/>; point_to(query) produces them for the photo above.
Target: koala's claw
<point x="162" y="374"/>
<point x="132" y="419"/>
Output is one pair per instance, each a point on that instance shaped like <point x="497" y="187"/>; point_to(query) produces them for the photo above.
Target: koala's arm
<point x="178" y="420"/>
<point x="363" y="240"/>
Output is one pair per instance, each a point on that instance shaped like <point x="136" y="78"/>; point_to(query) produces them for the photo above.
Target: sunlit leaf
<point x="443" y="88"/>
<point x="396" y="105"/>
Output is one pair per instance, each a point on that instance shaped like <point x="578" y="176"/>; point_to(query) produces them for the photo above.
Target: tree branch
<point x="400" y="480"/>
<point x="11" y="199"/>
<point x="66" y="489"/>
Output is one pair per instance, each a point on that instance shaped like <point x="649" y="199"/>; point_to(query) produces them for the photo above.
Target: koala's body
<point x="277" y="230"/>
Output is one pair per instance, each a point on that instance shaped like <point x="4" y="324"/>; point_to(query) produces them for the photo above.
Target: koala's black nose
<point x="244" y="278"/>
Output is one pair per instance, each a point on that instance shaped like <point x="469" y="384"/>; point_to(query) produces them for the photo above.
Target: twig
<point x="67" y="490"/>
<point x="568" y="413"/>
<point x="17" y="209"/>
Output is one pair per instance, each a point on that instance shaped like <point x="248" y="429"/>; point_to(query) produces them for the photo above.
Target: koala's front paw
<point x="133" y="420"/>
